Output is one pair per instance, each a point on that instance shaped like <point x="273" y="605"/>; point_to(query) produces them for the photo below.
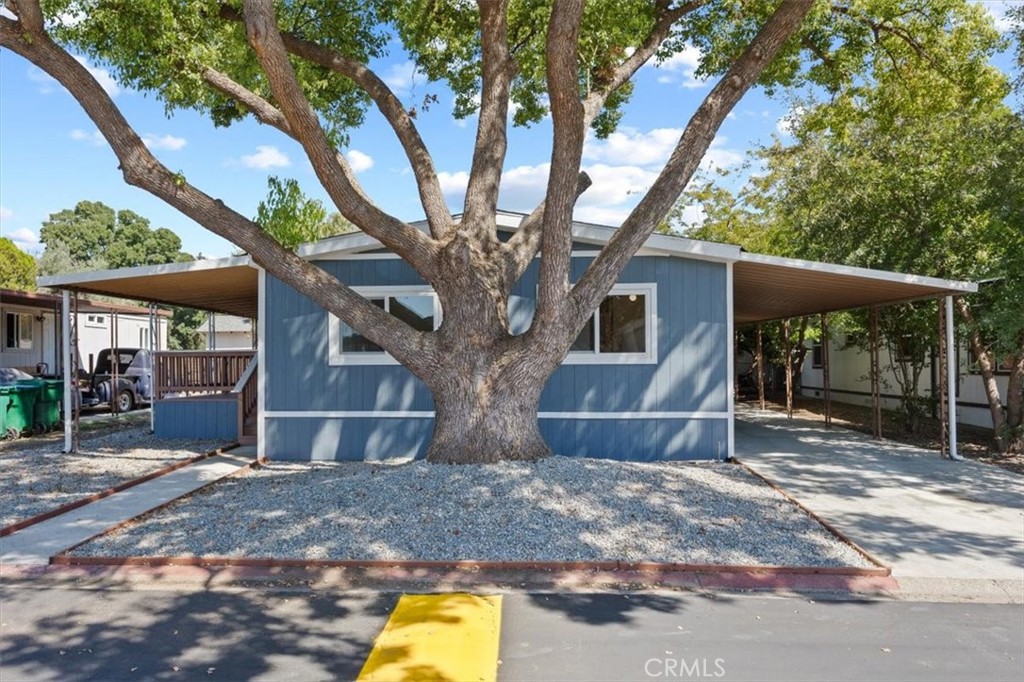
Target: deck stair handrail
<point x="186" y="373"/>
<point x="245" y="393"/>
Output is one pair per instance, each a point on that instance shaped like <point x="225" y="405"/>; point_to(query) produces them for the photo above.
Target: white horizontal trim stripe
<point x="428" y="414"/>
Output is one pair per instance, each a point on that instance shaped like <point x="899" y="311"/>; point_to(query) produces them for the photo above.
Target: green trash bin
<point x="48" y="404"/>
<point x="17" y="408"/>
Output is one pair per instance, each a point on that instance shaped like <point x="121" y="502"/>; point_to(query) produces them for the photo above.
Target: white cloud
<point x="266" y="156"/>
<point x="789" y="120"/>
<point x="95" y="137"/>
<point x="102" y="77"/>
<point x="358" y="160"/>
<point x="997" y="9"/>
<point x="168" y="142"/>
<point x="681" y="68"/>
<point x="68" y="19"/>
<point x="719" y="156"/>
<point x="601" y="215"/>
<point x="453" y="184"/>
<point x="6" y="213"/>
<point x="24" y="238"/>
<point x="629" y="145"/>
<point x="44" y="82"/>
<point x="401" y="77"/>
<point x="632" y="147"/>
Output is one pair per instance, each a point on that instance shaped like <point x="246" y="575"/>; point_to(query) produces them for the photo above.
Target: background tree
<point x="912" y="170"/>
<point x="93" y="236"/>
<point x="86" y="230"/>
<point x="292" y="219"/>
<point x="303" y="69"/>
<point x="17" y="268"/>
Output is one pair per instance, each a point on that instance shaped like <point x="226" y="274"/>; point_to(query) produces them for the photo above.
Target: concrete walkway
<point x="929" y="518"/>
<point x="36" y="544"/>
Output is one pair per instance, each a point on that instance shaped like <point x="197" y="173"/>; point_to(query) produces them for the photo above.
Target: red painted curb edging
<point x="71" y="506"/>
<point x="828" y="526"/>
<point x="441" y="580"/>
<point x="637" y="567"/>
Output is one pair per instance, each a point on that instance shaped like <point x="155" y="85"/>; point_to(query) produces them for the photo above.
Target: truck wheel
<point x="125" y="401"/>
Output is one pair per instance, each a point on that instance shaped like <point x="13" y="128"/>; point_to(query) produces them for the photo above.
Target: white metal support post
<point x="68" y="362"/>
<point x="154" y="331"/>
<point x="730" y="334"/>
<point x="951" y="379"/>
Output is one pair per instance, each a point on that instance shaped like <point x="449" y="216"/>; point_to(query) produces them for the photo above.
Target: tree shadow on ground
<point x="196" y="635"/>
<point x="608" y="609"/>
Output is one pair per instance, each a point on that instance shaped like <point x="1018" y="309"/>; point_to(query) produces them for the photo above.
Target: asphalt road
<point x="55" y="633"/>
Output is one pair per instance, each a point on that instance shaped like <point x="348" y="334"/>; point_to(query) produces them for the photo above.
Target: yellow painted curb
<point x="438" y="637"/>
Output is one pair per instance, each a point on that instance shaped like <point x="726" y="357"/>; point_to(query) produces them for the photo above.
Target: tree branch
<point x="491" y="132"/>
<point x="569" y="133"/>
<point x="666" y="18"/>
<point x="521" y="248"/>
<point x="264" y="111"/>
<point x="29" y="13"/>
<point x="141" y="169"/>
<point x="334" y="173"/>
<point x="686" y="156"/>
<point x="431" y="196"/>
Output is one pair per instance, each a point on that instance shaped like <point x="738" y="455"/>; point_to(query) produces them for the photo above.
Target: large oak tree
<point x="303" y="68"/>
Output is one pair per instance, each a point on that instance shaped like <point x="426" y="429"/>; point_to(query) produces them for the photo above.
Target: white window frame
<point x="96" y="320"/>
<point x="337" y="357"/>
<point x="595" y="357"/>
<point x="19" y="316"/>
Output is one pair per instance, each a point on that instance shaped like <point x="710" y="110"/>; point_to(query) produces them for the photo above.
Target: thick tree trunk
<point x="486" y="382"/>
<point x="485" y="418"/>
<point x="988" y="376"/>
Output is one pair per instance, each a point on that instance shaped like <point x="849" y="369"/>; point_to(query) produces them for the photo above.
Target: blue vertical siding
<point x="689" y="376"/>
<point x="206" y="419"/>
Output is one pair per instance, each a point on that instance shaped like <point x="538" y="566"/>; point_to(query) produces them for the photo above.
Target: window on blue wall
<point x="416" y="306"/>
<point x="622" y="330"/>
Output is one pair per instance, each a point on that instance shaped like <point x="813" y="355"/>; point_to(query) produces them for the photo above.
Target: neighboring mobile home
<point x="31" y="332"/>
<point x="849" y="380"/>
<point x="224" y="332"/>
<point x="651" y="378"/>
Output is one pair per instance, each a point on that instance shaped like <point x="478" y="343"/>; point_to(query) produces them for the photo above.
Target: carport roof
<point x="764" y="287"/>
<point x="772" y="288"/>
<point x="223" y="285"/>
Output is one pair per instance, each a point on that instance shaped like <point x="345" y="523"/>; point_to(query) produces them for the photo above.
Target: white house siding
<point x="42" y="348"/>
<point x="849" y="382"/>
<point x="230" y="340"/>
<point x="94" y="333"/>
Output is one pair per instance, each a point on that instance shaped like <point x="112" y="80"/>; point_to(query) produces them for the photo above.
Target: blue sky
<point x="52" y="157"/>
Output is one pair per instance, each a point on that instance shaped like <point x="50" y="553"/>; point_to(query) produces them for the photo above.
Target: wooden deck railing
<point x="198" y="372"/>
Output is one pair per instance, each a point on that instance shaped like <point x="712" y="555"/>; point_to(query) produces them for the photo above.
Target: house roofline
<point x="656" y="244"/>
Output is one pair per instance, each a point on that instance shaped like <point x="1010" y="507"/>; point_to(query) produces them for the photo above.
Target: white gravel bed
<point x="38" y="477"/>
<point x="559" y="509"/>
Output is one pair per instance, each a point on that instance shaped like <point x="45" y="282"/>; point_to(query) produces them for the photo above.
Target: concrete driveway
<point x="925" y="516"/>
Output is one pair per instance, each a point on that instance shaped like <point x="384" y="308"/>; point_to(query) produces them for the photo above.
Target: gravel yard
<point x="36" y="477"/>
<point x="560" y="509"/>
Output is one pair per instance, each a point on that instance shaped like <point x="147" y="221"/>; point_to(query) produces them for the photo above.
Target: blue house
<point x="650" y="378"/>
